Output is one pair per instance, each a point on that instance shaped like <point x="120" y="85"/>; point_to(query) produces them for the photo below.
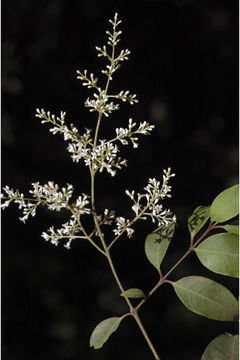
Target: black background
<point x="184" y="69"/>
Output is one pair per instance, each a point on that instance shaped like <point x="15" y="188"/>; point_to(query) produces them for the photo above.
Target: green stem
<point x="136" y="317"/>
<point x="163" y="279"/>
<point x="108" y="255"/>
<point x="132" y="310"/>
<point x="99" y="232"/>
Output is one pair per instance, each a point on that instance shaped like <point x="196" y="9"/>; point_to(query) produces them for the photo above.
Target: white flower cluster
<point x="54" y="199"/>
<point x="28" y="206"/>
<point x="89" y="82"/>
<point x="12" y="195"/>
<point x="60" y="127"/>
<point x="101" y="104"/>
<point x="107" y="218"/>
<point x="113" y="39"/>
<point x="103" y="156"/>
<point x="126" y="96"/>
<point x="48" y="195"/>
<point x="123" y="133"/>
<point x="99" y="155"/>
<point x="122" y="225"/>
<point x="147" y="204"/>
<point x="68" y="230"/>
<point x="79" y="206"/>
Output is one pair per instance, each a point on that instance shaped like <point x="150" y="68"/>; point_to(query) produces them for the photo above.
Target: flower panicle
<point x="89" y="81"/>
<point x="147" y="204"/>
<point x="69" y="134"/>
<point x="101" y="102"/>
<point x="126" y="96"/>
<point x="99" y="155"/>
<point x="49" y="195"/>
<point x="123" y="133"/>
<point x="68" y="231"/>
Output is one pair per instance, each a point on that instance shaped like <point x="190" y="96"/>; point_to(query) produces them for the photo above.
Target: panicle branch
<point x="99" y="155"/>
<point x="147" y="204"/>
<point x="101" y="102"/>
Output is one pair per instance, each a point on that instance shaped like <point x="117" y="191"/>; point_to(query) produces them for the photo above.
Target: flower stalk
<point x="98" y="155"/>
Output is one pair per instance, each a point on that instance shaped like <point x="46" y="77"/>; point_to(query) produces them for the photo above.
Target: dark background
<point x="184" y="69"/>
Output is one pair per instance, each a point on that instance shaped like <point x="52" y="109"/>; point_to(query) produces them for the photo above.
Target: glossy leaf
<point x="223" y="347"/>
<point x="157" y="243"/>
<point x="220" y="254"/>
<point x="225" y="206"/>
<point x="133" y="293"/>
<point x="207" y="298"/>
<point x="198" y="219"/>
<point x="103" y="330"/>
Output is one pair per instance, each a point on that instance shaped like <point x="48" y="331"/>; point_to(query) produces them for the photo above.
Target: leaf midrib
<point x="216" y="252"/>
<point x="204" y="297"/>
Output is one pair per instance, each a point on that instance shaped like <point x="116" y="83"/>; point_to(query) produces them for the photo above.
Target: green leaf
<point x="207" y="298"/>
<point x="223" y="347"/>
<point x="225" y="206"/>
<point x="157" y="243"/>
<point x="197" y="220"/>
<point x="232" y="227"/>
<point x="220" y="254"/>
<point x="103" y="330"/>
<point x="133" y="293"/>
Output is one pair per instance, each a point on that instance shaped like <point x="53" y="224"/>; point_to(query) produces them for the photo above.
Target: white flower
<point x="123" y="133"/>
<point x="86" y="81"/>
<point x="123" y="224"/>
<point x="67" y="231"/>
<point x="100" y="104"/>
<point x="81" y="203"/>
<point x="147" y="204"/>
<point x="130" y="232"/>
<point x="136" y="208"/>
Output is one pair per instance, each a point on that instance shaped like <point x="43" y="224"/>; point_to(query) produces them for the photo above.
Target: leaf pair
<point x="219" y="253"/>
<point x="224" y="207"/>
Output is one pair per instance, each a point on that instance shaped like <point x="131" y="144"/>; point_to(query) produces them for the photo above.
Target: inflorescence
<point x="98" y="155"/>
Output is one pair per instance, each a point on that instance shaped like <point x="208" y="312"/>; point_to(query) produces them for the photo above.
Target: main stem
<point x="133" y="311"/>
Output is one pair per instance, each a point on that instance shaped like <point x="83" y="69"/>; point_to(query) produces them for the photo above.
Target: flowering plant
<point x="199" y="294"/>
